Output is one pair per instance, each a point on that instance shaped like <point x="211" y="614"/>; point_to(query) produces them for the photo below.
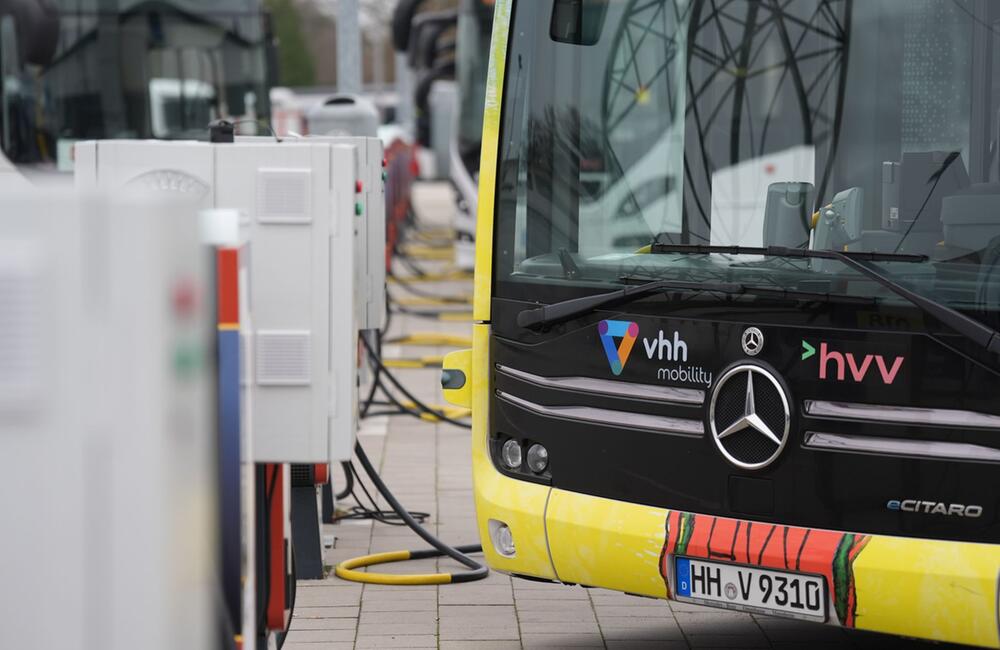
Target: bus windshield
<point x="636" y="133"/>
<point x="130" y="69"/>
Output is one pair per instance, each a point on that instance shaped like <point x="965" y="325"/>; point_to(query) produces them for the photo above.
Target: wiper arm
<point x="981" y="335"/>
<point x="784" y="251"/>
<point x="567" y="309"/>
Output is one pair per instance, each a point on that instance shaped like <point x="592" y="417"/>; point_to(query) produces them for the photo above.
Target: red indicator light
<point x="184" y="297"/>
<point x="359" y="187"/>
<point x="385" y="162"/>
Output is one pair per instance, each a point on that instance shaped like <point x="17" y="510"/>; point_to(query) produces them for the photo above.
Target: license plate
<point x="751" y="589"/>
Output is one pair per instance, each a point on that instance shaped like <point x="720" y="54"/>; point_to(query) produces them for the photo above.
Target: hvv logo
<point x="625" y="330"/>
<point x="836" y="365"/>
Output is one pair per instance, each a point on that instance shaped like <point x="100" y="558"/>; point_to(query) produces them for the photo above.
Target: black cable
<point x="260" y="122"/>
<point x="360" y="511"/>
<point x="412" y="219"/>
<point x="400" y="407"/>
<point x="295" y="593"/>
<point x="936" y="177"/>
<point x="375" y="370"/>
<point x="478" y="570"/>
<point x="348" y="480"/>
<point x="370" y="400"/>
<point x="389" y="413"/>
<point x="268" y="499"/>
<point x="411" y="264"/>
<point x="431" y="314"/>
<point x="421" y="407"/>
<point x="387" y="517"/>
<point x="434" y="314"/>
<point x="450" y="300"/>
<point x="388" y="312"/>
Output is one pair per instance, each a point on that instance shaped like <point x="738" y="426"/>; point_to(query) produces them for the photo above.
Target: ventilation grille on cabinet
<point x="283" y="195"/>
<point x="283" y="358"/>
<point x="303" y="475"/>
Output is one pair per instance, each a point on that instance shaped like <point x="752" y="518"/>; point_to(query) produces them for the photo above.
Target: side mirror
<point x="456" y="378"/>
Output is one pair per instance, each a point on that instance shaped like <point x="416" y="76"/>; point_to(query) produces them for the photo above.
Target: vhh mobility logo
<point x="618" y="329"/>
<point x="834" y="365"/>
<point x="662" y="348"/>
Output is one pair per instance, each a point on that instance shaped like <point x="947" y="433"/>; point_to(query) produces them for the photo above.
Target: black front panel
<point x="833" y="355"/>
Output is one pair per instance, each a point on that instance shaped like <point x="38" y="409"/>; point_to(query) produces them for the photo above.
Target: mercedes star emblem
<point x="753" y="341"/>
<point x="749" y="416"/>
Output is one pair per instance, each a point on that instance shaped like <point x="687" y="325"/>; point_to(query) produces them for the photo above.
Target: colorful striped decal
<point x="820" y="552"/>
<point x="227" y="287"/>
<point x="229" y="429"/>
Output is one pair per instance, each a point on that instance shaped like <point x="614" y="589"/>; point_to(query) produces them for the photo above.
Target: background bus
<point x="91" y="69"/>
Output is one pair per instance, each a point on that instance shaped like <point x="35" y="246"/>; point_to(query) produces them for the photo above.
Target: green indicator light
<point x="385" y="176"/>
<point x="187" y="359"/>
<point x="359" y="208"/>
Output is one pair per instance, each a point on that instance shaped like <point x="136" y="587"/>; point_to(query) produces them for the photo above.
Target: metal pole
<point x="404" y="87"/>
<point x="379" y="45"/>
<point x="348" y="47"/>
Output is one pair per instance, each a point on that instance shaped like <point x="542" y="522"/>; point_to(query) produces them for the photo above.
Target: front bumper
<point x="924" y="588"/>
<point x="937" y="590"/>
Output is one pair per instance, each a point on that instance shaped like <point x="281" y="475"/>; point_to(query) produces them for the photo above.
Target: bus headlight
<point x="511" y="454"/>
<point x="538" y="458"/>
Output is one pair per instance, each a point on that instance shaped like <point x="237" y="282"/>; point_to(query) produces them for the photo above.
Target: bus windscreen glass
<point x="822" y="124"/>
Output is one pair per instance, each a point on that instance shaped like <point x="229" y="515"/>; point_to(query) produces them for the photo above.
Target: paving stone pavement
<point x="428" y="468"/>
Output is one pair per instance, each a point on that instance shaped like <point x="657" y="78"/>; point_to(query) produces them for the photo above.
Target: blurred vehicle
<point x="401" y="170"/>
<point x="93" y="69"/>
<point x="287" y="114"/>
<point x="429" y="40"/>
<point x="472" y="48"/>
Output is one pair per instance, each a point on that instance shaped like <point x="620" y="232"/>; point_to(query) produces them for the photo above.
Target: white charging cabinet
<point x="106" y="425"/>
<point x="309" y="232"/>
<point x="370" y="260"/>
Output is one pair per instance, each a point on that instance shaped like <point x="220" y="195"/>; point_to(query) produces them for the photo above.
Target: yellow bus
<point x="736" y="304"/>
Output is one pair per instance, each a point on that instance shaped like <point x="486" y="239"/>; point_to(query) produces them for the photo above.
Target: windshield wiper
<point x="784" y="251"/>
<point x="575" y="307"/>
<point x="981" y="335"/>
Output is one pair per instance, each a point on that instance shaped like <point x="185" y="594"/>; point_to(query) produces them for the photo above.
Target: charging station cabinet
<point x="370" y="235"/>
<point x="313" y="218"/>
<point x="106" y="425"/>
